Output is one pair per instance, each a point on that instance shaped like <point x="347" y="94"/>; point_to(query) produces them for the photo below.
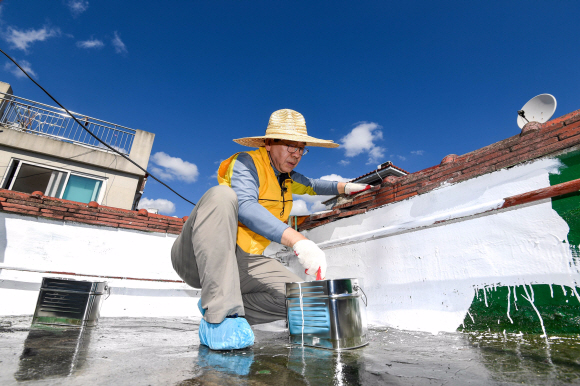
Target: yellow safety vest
<point x="271" y="197"/>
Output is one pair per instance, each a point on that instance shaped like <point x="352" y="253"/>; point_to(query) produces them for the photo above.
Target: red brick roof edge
<point x="38" y="205"/>
<point x="535" y="141"/>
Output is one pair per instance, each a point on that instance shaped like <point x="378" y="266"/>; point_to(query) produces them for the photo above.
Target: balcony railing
<point x="37" y="118"/>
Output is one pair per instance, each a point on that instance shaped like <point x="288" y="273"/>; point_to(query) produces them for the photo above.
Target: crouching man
<point x="220" y="247"/>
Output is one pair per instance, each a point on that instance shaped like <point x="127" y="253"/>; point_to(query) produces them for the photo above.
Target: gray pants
<point x="205" y="255"/>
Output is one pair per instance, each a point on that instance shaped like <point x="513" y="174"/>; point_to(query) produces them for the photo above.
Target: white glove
<point x="311" y="257"/>
<point x="352" y="188"/>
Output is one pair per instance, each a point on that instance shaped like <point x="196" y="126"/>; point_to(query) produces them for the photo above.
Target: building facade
<point x="43" y="149"/>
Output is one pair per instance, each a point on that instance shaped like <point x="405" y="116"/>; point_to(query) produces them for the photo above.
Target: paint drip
<point x="302" y="312"/>
<point x="485" y="296"/>
<point x="531" y="300"/>
<point x="508" y="306"/>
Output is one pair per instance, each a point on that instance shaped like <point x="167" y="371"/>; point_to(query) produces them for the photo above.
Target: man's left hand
<point x="352" y="188"/>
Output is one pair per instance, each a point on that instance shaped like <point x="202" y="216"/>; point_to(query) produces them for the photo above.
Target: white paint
<point x="413" y="224"/>
<point x="508" y="307"/>
<point x="42" y="244"/>
<point x="301" y="312"/>
<point x="564" y="290"/>
<point x="531" y="301"/>
<point x="424" y="279"/>
<point x="471" y="316"/>
<point x="418" y="279"/>
<point x="575" y="292"/>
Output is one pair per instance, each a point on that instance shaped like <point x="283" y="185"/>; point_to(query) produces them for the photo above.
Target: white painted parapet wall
<point x="417" y="274"/>
<point x="422" y="276"/>
<point x="37" y="244"/>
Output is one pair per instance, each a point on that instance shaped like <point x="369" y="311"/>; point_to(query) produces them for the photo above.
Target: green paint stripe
<point x="568" y="206"/>
<point x="558" y="306"/>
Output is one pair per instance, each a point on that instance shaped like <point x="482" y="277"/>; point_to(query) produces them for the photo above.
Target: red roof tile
<point x="553" y="137"/>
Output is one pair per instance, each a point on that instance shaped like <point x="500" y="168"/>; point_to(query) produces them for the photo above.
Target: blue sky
<point x="408" y="82"/>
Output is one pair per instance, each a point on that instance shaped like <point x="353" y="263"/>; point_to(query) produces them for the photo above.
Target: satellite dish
<point x="538" y="109"/>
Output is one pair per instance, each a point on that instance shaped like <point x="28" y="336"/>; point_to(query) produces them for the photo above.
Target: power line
<point x="91" y="133"/>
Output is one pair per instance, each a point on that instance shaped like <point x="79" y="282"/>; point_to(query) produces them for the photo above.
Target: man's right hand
<point x="351" y="188"/>
<point x="311" y="257"/>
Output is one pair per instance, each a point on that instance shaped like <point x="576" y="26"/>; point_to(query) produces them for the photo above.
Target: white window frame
<point x="68" y="174"/>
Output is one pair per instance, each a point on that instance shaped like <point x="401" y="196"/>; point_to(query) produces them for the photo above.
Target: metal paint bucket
<point x="329" y="314"/>
<point x="69" y="302"/>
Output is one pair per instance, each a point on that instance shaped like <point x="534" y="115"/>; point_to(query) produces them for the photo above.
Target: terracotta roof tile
<point x="39" y="205"/>
<point x="553" y="137"/>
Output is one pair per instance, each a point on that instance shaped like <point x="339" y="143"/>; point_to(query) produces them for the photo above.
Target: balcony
<point x="39" y="119"/>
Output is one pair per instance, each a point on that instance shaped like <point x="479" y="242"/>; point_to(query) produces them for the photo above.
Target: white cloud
<point x="400" y="157"/>
<point x="23" y="39"/>
<point x="335" y="177"/>
<point x="17" y="72"/>
<point x="120" y="47"/>
<point x="418" y="152"/>
<point x="91" y="43"/>
<point x="343" y="162"/>
<point x="173" y="168"/>
<point x="319" y="207"/>
<point x="164" y="206"/>
<point x="77" y="6"/>
<point x="306" y="204"/>
<point x="362" y="140"/>
<point x="376" y="154"/>
<point x="299" y="208"/>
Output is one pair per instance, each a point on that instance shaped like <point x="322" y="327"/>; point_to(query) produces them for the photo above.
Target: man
<point x="220" y="247"/>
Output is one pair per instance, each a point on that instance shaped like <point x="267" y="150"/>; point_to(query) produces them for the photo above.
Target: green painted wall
<point x="558" y="306"/>
<point x="568" y="206"/>
<point x="560" y="312"/>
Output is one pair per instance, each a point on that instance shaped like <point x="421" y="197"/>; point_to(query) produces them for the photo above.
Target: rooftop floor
<point x="148" y="351"/>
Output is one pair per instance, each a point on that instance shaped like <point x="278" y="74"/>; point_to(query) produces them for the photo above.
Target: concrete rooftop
<point x="149" y="351"/>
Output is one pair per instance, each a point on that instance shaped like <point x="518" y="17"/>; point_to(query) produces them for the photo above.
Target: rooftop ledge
<point x="535" y="141"/>
<point x="38" y="205"/>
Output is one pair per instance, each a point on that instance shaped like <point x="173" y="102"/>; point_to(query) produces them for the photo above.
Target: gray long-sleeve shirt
<point x="245" y="183"/>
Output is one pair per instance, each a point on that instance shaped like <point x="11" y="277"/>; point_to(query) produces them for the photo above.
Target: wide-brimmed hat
<point x="289" y="125"/>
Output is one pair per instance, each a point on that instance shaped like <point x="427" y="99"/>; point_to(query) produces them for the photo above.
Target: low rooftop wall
<point x="535" y="141"/>
<point x="36" y="204"/>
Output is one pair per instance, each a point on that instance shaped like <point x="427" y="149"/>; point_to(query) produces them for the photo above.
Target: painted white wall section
<point x="418" y="278"/>
<point x="424" y="279"/>
<point x="63" y="246"/>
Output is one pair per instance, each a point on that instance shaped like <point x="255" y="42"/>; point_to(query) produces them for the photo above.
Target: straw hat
<point x="289" y="125"/>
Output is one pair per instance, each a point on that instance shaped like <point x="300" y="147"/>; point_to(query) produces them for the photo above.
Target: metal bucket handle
<point x="107" y="291"/>
<point x="356" y="287"/>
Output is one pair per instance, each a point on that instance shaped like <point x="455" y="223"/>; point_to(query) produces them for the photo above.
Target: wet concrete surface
<point x="151" y="351"/>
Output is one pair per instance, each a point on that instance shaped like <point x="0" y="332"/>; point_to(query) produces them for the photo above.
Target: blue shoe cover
<point x="231" y="334"/>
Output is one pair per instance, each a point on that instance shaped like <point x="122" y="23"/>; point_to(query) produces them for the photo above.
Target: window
<point x="27" y="177"/>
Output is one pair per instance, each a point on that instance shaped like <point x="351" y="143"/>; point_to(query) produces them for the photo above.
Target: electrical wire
<point x="93" y="135"/>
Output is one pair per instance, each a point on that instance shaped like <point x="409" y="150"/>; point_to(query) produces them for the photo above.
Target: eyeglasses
<point x="294" y="149"/>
